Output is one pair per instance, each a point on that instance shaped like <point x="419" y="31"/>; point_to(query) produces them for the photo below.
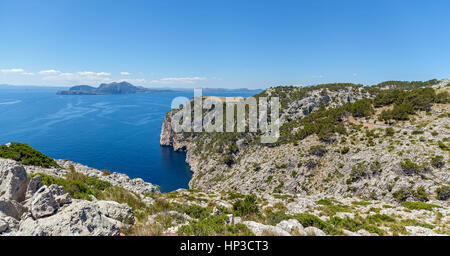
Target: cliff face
<point x="368" y="160"/>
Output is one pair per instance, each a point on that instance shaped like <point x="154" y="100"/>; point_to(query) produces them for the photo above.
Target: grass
<point x="330" y="207"/>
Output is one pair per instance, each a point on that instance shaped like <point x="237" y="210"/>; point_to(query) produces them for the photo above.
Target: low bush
<point x="420" y="206"/>
<point x="27" y="155"/>
<point x="246" y="207"/>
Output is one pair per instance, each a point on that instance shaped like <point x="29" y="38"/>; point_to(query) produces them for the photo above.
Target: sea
<point x="107" y="132"/>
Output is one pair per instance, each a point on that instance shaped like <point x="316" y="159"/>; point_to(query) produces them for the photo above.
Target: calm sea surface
<point x="113" y="132"/>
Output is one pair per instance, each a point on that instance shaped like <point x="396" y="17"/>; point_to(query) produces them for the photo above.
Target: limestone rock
<point x="292" y="225"/>
<point x="116" y="211"/>
<point x="13" y="182"/>
<point x="80" y="218"/>
<point x="47" y="200"/>
<point x="313" y="231"/>
<point x="34" y="185"/>
<point x="11" y="208"/>
<point x="261" y="229"/>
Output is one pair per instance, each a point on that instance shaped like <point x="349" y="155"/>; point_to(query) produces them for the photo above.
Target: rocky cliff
<point x="336" y="140"/>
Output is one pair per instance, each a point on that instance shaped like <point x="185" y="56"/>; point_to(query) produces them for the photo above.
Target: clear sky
<point x="253" y="44"/>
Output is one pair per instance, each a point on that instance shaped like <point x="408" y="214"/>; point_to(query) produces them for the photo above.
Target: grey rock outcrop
<point x="11" y="208"/>
<point x="13" y="182"/>
<point x="80" y="218"/>
<point x="34" y="185"/>
<point x="261" y="229"/>
<point x="116" y="211"/>
<point x="43" y="202"/>
<point x="313" y="231"/>
<point x="292" y="226"/>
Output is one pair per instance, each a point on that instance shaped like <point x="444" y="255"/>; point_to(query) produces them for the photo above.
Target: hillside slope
<point x="380" y="142"/>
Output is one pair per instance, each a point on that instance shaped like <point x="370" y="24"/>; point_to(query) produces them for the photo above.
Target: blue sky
<point x="253" y="44"/>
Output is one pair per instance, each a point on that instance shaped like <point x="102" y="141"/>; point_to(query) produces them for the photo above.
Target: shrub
<point x="214" y="225"/>
<point x="318" y="150"/>
<point x="409" y="167"/>
<point x="390" y="131"/>
<point x="400" y="195"/>
<point x="27" y="155"/>
<point x="442" y="145"/>
<point x="78" y="185"/>
<point x="308" y="220"/>
<point x="247" y="206"/>
<point x="273" y="218"/>
<point x="228" y="160"/>
<point x="345" y="150"/>
<point x="420" y="194"/>
<point x="443" y="193"/>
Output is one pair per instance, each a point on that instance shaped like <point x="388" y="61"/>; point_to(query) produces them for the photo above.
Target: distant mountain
<point x="103" y="89"/>
<point x="127" y="88"/>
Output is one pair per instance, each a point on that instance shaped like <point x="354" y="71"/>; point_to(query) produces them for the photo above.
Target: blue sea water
<point x="112" y="132"/>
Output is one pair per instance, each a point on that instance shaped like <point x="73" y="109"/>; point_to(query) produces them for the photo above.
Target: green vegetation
<point x="390" y="131"/>
<point x="437" y="161"/>
<point x="406" y="102"/>
<point x="420" y="206"/>
<point x="409" y="167"/>
<point x="246" y="207"/>
<point x="331" y="207"/>
<point x="407" y="85"/>
<point x="214" y="225"/>
<point x="78" y="185"/>
<point x="27" y="155"/>
<point x="443" y="193"/>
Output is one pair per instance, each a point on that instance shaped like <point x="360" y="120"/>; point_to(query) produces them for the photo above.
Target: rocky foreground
<point x="28" y="207"/>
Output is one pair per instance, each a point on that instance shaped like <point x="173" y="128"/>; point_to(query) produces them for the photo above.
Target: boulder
<point x="261" y="229"/>
<point x="80" y="218"/>
<point x="11" y="208"/>
<point x="34" y="185"/>
<point x="292" y="225"/>
<point x="47" y="200"/>
<point x="313" y="231"/>
<point x="13" y="182"/>
<point x="116" y="211"/>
